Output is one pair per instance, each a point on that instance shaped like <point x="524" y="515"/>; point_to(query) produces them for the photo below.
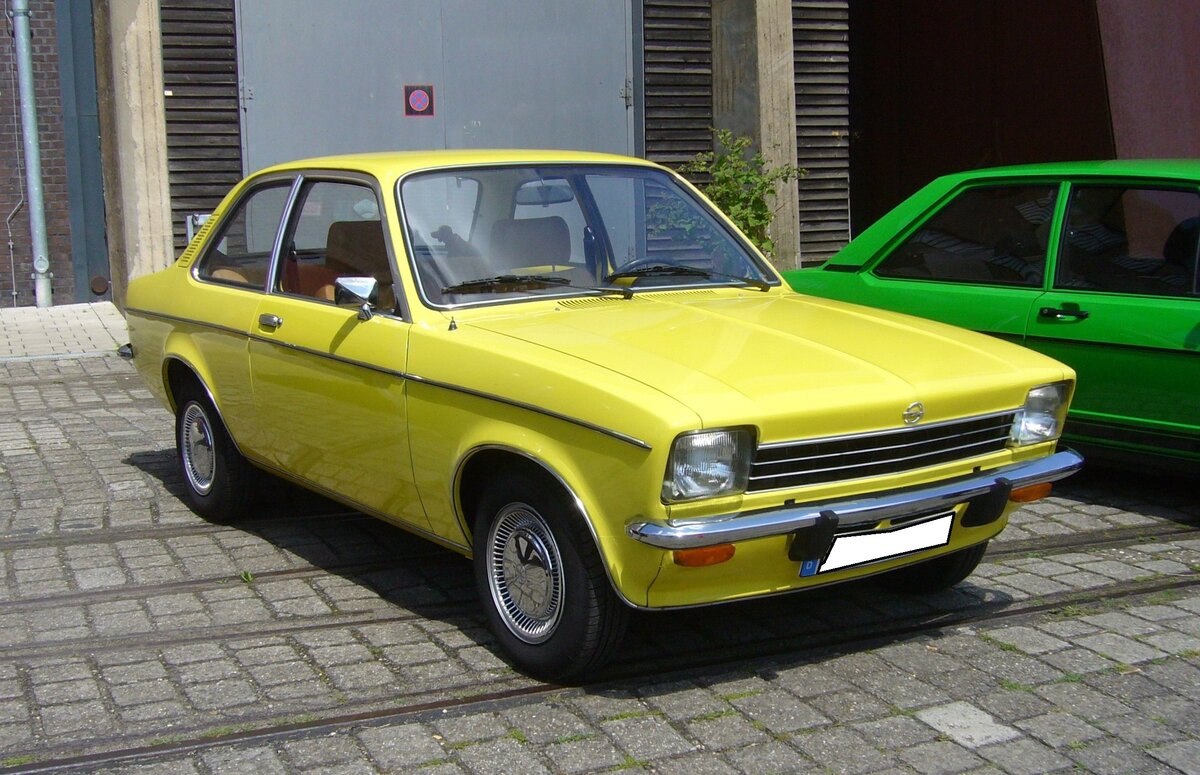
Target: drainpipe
<point x="33" y="154"/>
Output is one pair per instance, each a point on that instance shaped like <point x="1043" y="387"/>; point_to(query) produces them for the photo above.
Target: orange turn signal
<point x="704" y="555"/>
<point x="1034" y="492"/>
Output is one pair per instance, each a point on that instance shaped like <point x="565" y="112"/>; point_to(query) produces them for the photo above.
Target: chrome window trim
<point x="317" y="175"/>
<point x="251" y="189"/>
<point x="771" y="276"/>
<point x="277" y="250"/>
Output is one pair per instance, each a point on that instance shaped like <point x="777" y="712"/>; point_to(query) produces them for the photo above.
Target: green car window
<point x="1122" y="239"/>
<point x="995" y="235"/>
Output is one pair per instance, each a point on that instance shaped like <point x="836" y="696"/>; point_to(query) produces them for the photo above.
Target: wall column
<point x="754" y="94"/>
<point x="133" y="132"/>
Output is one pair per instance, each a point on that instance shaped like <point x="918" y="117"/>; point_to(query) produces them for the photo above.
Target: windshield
<point x="479" y="236"/>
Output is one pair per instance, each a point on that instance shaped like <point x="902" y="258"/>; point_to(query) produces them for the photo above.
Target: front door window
<point x="1120" y="239"/>
<point x="994" y="236"/>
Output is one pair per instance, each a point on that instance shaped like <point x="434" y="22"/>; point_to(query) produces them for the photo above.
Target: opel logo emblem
<point x="913" y="414"/>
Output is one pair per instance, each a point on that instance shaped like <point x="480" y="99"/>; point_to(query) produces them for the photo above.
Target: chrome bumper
<point x="727" y="528"/>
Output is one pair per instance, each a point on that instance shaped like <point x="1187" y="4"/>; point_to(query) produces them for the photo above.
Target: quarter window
<point x="1122" y="239"/>
<point x="994" y="235"/>
<point x="241" y="251"/>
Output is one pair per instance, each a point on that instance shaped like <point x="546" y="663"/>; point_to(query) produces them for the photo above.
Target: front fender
<point x="613" y="483"/>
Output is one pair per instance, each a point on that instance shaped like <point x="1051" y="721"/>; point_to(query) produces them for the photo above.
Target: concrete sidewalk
<point x="67" y="330"/>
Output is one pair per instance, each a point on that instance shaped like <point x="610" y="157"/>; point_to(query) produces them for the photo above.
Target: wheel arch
<point x="486" y="463"/>
<point x="178" y="372"/>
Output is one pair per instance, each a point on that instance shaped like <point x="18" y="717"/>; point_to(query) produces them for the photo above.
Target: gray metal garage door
<point x="320" y="77"/>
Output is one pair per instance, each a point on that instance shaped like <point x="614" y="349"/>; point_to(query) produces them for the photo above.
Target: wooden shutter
<point x="204" y="147"/>
<point x="678" y="73"/>
<point x="821" y="31"/>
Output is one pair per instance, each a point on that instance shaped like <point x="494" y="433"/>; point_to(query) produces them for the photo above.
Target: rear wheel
<point x="937" y="574"/>
<point x="542" y="582"/>
<point x="215" y="474"/>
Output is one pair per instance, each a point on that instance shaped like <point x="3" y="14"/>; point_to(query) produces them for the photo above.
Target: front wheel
<point x="216" y="475"/>
<point x="542" y="582"/>
<point x="936" y="574"/>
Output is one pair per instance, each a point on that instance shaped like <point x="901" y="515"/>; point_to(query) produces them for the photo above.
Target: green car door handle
<point x="1059" y="313"/>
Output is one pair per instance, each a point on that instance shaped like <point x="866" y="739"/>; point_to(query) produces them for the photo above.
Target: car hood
<point x="800" y="365"/>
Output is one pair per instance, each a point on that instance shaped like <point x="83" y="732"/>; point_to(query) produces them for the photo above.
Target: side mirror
<point x="361" y="292"/>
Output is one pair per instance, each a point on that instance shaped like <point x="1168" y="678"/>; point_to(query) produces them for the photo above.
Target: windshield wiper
<point x="484" y="284"/>
<point x="668" y="270"/>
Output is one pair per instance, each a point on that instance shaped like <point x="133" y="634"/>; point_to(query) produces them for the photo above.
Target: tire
<point x="540" y="578"/>
<point x="936" y="574"/>
<point x="216" y="476"/>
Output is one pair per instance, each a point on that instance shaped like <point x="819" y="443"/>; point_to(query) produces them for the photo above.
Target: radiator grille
<point x="815" y="461"/>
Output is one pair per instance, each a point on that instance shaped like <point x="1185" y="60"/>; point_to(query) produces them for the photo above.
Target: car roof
<point x="1151" y="168"/>
<point x="392" y="164"/>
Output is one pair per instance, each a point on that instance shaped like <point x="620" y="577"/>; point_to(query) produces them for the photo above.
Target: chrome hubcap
<point x="525" y="573"/>
<point x="199" y="462"/>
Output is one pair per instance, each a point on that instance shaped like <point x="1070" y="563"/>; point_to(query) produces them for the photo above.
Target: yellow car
<point x="574" y="369"/>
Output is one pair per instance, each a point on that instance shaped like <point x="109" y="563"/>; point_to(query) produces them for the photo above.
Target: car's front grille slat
<point x="987" y="435"/>
<point x="833" y="459"/>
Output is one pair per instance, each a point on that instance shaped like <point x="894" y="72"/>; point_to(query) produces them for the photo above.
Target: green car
<point x="1091" y="263"/>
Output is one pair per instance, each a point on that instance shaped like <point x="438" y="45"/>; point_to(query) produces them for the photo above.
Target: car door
<point x="232" y="270"/>
<point x="329" y="387"/>
<point x="976" y="261"/>
<point x="1124" y="312"/>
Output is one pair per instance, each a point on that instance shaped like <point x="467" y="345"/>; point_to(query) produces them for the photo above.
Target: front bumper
<point x="729" y="528"/>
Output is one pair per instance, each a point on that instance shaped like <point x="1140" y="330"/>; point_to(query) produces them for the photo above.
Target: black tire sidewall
<point x="221" y="499"/>
<point x="577" y="641"/>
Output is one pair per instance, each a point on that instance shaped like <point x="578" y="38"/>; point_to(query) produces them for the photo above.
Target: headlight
<point x="1041" y="419"/>
<point x="708" y="463"/>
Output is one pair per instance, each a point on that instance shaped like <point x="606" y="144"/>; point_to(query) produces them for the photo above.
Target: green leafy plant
<point x="741" y="184"/>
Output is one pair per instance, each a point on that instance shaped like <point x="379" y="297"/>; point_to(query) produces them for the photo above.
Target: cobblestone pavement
<point x="137" y="637"/>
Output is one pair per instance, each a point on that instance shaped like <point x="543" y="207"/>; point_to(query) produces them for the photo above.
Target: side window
<point x="336" y="233"/>
<point x="994" y="235"/>
<point x="1130" y="240"/>
<point x="241" y="251"/>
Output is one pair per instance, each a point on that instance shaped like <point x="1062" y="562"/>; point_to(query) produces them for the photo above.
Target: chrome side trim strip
<point x="614" y="434"/>
<point x="189" y="321"/>
<point x="726" y="528"/>
<point x="537" y="409"/>
<point x="327" y="356"/>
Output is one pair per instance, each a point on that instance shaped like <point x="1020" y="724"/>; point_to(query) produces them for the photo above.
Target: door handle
<point x="267" y="320"/>
<point x="1058" y="313"/>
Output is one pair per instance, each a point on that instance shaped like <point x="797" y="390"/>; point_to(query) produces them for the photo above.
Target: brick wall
<point x="16" y="265"/>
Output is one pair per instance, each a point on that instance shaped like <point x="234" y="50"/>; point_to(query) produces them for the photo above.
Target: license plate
<point x="851" y="550"/>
